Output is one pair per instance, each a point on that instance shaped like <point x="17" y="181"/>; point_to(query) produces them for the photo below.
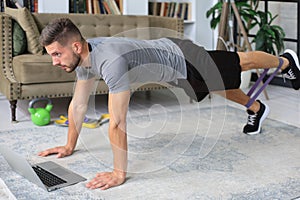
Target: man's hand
<point x="61" y="152"/>
<point x="106" y="180"/>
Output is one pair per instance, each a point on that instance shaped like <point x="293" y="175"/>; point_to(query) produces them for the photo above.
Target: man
<point x="121" y="62"/>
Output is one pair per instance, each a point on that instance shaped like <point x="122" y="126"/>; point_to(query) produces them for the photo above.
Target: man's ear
<point x="77" y="47"/>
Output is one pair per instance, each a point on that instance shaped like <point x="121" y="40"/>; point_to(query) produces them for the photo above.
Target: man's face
<point x="63" y="57"/>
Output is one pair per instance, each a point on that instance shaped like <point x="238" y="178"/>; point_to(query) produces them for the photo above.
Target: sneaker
<point x="293" y="71"/>
<point x="255" y="120"/>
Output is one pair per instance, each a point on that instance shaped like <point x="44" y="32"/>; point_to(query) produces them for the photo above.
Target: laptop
<point x="48" y="175"/>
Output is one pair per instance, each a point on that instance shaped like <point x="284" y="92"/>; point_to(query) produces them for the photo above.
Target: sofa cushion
<point x="102" y="25"/>
<point x="26" y="21"/>
<point x="30" y="69"/>
<point x="19" y="39"/>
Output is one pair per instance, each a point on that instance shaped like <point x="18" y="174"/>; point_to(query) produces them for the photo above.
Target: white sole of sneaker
<point x="294" y="55"/>
<point x="263" y="117"/>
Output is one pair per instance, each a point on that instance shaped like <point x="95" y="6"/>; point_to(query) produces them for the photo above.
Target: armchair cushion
<point x="30" y="69"/>
<point x="26" y="21"/>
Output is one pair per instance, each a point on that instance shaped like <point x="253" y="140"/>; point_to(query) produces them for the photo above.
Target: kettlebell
<point x="40" y="116"/>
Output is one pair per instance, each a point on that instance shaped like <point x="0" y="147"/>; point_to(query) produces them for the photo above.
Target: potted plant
<point x="269" y="37"/>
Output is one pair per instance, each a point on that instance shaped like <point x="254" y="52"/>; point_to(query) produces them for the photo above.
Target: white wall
<point x="204" y="34"/>
<point x="287" y="19"/>
<point x="135" y="7"/>
<point x="53" y="6"/>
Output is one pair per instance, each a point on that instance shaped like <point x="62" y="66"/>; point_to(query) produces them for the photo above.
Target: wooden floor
<point x="283" y="102"/>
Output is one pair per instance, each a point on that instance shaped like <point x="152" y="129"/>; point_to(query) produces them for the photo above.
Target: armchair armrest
<point x="6" y="50"/>
<point x="9" y="86"/>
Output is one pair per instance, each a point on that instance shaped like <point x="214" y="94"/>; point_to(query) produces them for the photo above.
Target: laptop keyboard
<point x="47" y="178"/>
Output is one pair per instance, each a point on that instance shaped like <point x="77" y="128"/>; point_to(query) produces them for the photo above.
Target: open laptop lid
<point x="21" y="166"/>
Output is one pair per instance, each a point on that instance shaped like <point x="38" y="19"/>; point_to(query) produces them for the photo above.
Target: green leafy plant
<point x="268" y="35"/>
<point x="246" y="12"/>
<point x="269" y="38"/>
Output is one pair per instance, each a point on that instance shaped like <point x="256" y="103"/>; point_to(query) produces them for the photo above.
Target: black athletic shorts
<point x="208" y="70"/>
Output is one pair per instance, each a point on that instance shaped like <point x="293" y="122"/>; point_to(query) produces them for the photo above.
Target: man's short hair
<point x="60" y="30"/>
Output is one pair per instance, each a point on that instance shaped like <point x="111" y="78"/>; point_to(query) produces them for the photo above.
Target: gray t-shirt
<point x="121" y="62"/>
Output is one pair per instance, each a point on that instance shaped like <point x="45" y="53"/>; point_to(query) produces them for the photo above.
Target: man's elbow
<point x="78" y="108"/>
<point x="119" y="124"/>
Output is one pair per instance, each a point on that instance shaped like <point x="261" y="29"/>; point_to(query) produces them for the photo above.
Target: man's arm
<point x="118" y="106"/>
<point x="76" y="113"/>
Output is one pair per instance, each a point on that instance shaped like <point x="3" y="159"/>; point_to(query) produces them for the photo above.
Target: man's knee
<point x="246" y="60"/>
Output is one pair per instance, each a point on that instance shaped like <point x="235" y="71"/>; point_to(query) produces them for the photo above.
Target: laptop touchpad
<point x="60" y="171"/>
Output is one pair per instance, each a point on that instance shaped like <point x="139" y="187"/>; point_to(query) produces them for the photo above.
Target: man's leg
<point x="229" y="64"/>
<point x="260" y="60"/>
<point x="258" y="111"/>
<point x="254" y="60"/>
<point x="238" y="96"/>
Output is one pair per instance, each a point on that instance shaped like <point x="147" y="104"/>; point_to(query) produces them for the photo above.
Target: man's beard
<point x="75" y="63"/>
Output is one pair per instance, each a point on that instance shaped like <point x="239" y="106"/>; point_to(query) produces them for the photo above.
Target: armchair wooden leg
<point x="13" y="107"/>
